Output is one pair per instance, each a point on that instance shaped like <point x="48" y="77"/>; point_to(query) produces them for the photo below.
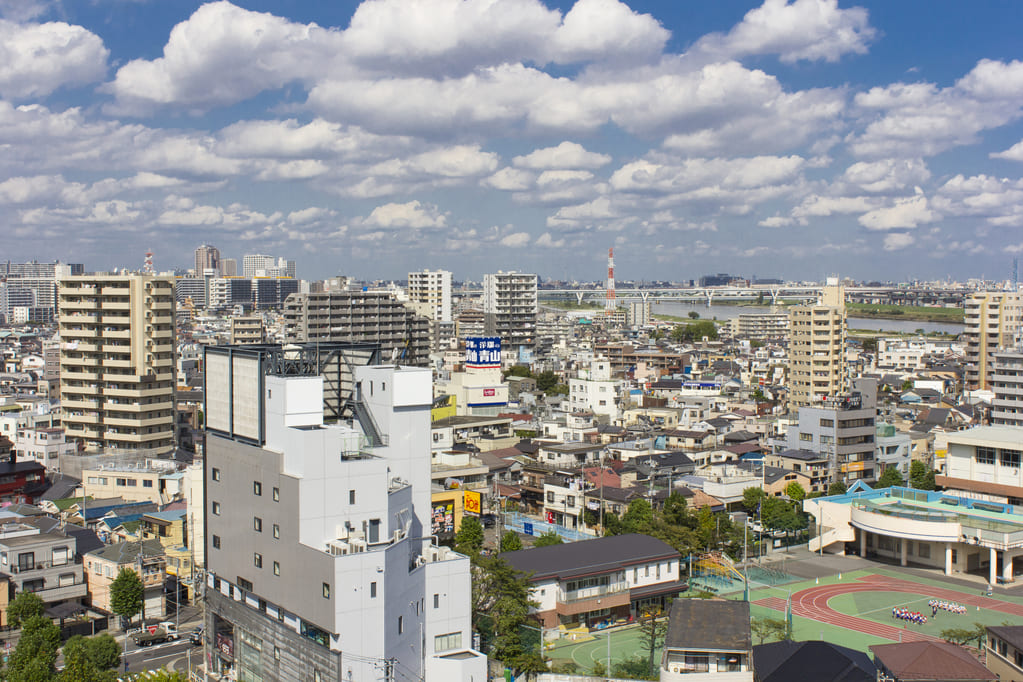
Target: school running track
<point x="812" y="603"/>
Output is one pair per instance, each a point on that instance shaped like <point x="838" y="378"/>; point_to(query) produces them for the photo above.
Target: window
<point x="132" y="483"/>
<point x="550" y="495"/>
<point x="647" y="572"/>
<point x="216" y="542"/>
<point x="326" y="590"/>
<point x="257" y="524"/>
<point x="374" y="530"/>
<point x="277" y="494"/>
<point x="806" y="436"/>
<point x="257" y="560"/>
<point x="148" y="483"/>
<point x="373" y="590"/>
<point x="277" y="568"/>
<point x="985" y="455"/>
<point x="245" y="584"/>
<point x="216" y="508"/>
<point x="277" y="531"/>
<point x="401" y="624"/>
<point x="257" y="488"/>
<point x="122" y="482"/>
<point x="1010" y="458"/>
<point x="451" y="640"/>
<point x="436" y="601"/>
<point x="351" y="497"/>
<point x="827" y="422"/>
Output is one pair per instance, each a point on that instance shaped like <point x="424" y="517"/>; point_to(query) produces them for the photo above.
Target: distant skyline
<point x="875" y="140"/>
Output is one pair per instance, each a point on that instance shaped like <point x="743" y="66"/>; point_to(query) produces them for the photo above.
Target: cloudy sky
<point x="790" y="139"/>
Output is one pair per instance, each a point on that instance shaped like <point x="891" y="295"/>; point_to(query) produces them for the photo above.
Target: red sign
<point x="489" y="392"/>
<point x="152" y="629"/>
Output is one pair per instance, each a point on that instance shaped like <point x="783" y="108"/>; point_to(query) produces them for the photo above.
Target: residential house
<point x="157" y="484"/>
<point x="1005" y="651"/>
<point x="44" y="563"/>
<point x="813" y="465"/>
<point x="146" y="558"/>
<point x="928" y="661"/>
<point x="818" y="661"/>
<point x="707" y="639"/>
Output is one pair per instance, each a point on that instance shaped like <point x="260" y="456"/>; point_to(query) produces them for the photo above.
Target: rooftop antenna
<point x="148" y="268"/>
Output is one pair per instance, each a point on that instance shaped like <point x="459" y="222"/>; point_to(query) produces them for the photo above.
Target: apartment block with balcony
<point x="433" y="289"/>
<point x="993" y="322"/>
<point x="1007" y="384"/>
<point x="1005" y="651"/>
<point x="985" y="462"/>
<point x="359" y="317"/>
<point x="45" y="445"/>
<point x="117" y="362"/>
<point x="247" y="329"/>
<point x="510" y="308"/>
<point x="760" y="326"/>
<point x="817" y="349"/>
<point x="600" y="581"/>
<point x="132" y="484"/>
<point x="42" y="563"/>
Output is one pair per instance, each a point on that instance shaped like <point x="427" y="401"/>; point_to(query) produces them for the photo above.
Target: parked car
<point x="195" y="637"/>
<point x="488" y="520"/>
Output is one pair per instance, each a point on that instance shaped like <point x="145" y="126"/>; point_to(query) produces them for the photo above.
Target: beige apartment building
<point x="992" y="323"/>
<point x="247" y="329"/>
<point x="817" y="348"/>
<point x="117" y="362"/>
<point x="132" y="484"/>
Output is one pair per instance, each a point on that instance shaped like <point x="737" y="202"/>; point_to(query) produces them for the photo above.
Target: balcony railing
<point x="566" y="597"/>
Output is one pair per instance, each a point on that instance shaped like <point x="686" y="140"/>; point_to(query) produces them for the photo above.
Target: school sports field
<point x="851" y="609"/>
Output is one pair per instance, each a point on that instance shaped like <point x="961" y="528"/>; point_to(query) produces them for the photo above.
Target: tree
<point x="126" y="594"/>
<point x="795" y="492"/>
<point x="545" y="381"/>
<point x="612" y="524"/>
<point x="639" y="516"/>
<point x="501" y="601"/>
<point x="693" y="315"/>
<point x="634" y="668"/>
<point x="964" y="636"/>
<point x="770" y="629"/>
<point x="652" y="628"/>
<point x="547" y="539"/>
<point x="837" y="488"/>
<point x="518" y="371"/>
<point x="510" y="542"/>
<point x="920" y="476"/>
<point x="675" y="510"/>
<point x="752" y="498"/>
<point x="102" y="651"/>
<point x="25" y="606"/>
<point x="35" y="657"/>
<point x="890" y="477"/>
<point x="469" y="538"/>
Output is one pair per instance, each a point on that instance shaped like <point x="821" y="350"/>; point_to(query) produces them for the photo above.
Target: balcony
<point x="18" y="569"/>
<point x="609" y="600"/>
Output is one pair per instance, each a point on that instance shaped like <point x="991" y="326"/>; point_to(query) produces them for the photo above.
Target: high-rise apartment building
<point x="191" y="288"/>
<point x="432" y="288"/>
<point x="229" y="267"/>
<point x="117" y="362"/>
<point x="320" y="564"/>
<point x="509" y="308"/>
<point x="207" y="258"/>
<point x="760" y="326"/>
<point x="32" y="288"/>
<point x="359" y="317"/>
<point x="817" y="348"/>
<point x="993" y="322"/>
<point x="1007" y="383"/>
<point x="254" y="263"/>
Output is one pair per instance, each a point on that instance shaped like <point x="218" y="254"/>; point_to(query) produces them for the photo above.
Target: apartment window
<point x="570" y="500"/>
<point x="216" y="542"/>
<point x="277" y="494"/>
<point x="132" y="483"/>
<point x="451" y="640"/>
<point x="122" y="482"/>
<point x="257" y="560"/>
<point x="215" y="474"/>
<point x="277" y="531"/>
<point x="1009" y="458"/>
<point x="277" y="568"/>
<point x="550" y="495"/>
<point x="148" y="483"/>
<point x="374" y="530"/>
<point x="985" y="455"/>
<point x="647" y="568"/>
<point x="401" y="624"/>
<point x="351" y="497"/>
<point x="257" y="488"/>
<point x="326" y="590"/>
<point x="436" y="601"/>
<point x="806" y="436"/>
<point x="216" y="508"/>
<point x="244" y="584"/>
<point x="373" y="590"/>
<point x="827" y="422"/>
<point x="257" y="524"/>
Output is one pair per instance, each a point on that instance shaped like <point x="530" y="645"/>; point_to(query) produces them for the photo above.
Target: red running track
<point x="812" y="603"/>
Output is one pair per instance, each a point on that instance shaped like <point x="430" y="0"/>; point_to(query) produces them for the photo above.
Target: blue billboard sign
<point x="483" y="352"/>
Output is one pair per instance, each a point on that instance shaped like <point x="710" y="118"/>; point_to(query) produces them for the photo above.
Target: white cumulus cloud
<point x="36" y="59"/>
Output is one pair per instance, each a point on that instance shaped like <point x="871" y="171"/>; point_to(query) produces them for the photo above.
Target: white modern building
<point x="432" y="288"/>
<point x="985" y="462"/>
<point x="320" y="565"/>
<point x="44" y="444"/>
<point x="1007" y="383"/>
<point x="593" y="389"/>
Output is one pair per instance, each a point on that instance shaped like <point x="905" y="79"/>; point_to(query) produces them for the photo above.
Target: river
<point x="728" y="312"/>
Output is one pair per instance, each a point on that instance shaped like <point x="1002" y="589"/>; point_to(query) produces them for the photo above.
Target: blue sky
<point x="876" y="140"/>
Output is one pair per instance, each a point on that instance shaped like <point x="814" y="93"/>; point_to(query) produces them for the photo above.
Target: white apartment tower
<point x="994" y="321"/>
<point x="117" y="362"/>
<point x="319" y="561"/>
<point x="432" y="289"/>
<point x="509" y="308"/>
<point x="255" y="263"/>
<point x="817" y="348"/>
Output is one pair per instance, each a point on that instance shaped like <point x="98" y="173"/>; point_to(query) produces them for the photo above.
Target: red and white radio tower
<point x="148" y="269"/>
<point x="609" y="303"/>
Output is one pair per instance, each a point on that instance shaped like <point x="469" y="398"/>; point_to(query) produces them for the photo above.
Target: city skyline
<point x="790" y="140"/>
